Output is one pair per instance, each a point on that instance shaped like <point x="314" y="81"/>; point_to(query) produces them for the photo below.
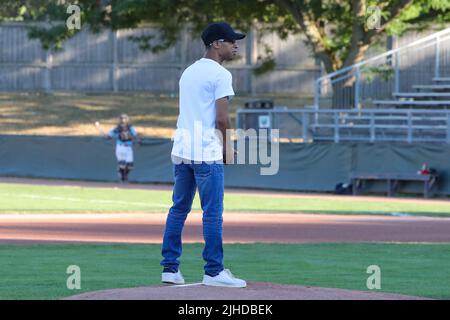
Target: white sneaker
<point x="174" y="278"/>
<point x="224" y="279"/>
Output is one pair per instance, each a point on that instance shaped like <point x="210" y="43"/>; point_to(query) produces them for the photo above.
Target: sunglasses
<point x="226" y="40"/>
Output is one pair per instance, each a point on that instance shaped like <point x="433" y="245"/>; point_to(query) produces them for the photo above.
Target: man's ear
<point x="215" y="44"/>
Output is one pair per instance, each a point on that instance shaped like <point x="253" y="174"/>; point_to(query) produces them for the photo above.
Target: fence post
<point x="336" y="126"/>
<point x="372" y="127"/>
<point x="238" y="119"/>
<point x="184" y="50"/>
<point x="316" y="93"/>
<point x="249" y="60"/>
<point x="436" y="61"/>
<point x="305" y="124"/>
<point x="48" y="71"/>
<point x="254" y="58"/>
<point x="114" y="75"/>
<point x="357" y="88"/>
<point x="397" y="72"/>
<point x="410" y="136"/>
<point x="271" y="124"/>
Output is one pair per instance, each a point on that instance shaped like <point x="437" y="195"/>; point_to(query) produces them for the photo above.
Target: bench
<point x="412" y="103"/>
<point x="393" y="179"/>
<point x="439" y="79"/>
<point x="432" y="87"/>
<point x="421" y="95"/>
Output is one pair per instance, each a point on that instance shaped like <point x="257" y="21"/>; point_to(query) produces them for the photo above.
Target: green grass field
<point x="39" y="272"/>
<point x="20" y="198"/>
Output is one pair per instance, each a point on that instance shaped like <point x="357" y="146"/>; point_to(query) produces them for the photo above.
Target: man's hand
<point x="222" y="124"/>
<point x="228" y="157"/>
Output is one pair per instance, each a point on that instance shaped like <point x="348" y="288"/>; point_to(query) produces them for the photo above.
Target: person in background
<point x="125" y="134"/>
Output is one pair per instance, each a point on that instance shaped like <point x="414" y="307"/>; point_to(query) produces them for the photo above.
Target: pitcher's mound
<point x="254" y="291"/>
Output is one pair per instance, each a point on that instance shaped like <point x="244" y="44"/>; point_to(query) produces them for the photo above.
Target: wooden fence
<point x="109" y="61"/>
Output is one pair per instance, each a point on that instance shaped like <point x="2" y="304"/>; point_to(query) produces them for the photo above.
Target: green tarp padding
<point x="302" y="167"/>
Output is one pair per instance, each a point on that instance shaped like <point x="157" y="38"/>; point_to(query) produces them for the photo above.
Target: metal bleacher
<point x="441" y="79"/>
<point x="416" y="75"/>
<point x="426" y="96"/>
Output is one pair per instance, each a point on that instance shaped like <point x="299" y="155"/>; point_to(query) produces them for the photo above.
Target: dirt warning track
<point x="238" y="227"/>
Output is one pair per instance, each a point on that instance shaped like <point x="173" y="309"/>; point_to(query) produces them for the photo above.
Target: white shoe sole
<point x="171" y="281"/>
<point x="228" y="285"/>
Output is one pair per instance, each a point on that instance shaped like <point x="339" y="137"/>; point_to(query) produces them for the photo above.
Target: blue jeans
<point x="209" y="178"/>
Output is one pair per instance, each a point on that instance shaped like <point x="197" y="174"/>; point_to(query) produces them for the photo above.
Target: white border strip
<point x="187" y="285"/>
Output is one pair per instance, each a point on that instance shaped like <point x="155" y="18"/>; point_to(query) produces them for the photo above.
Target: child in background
<point x="124" y="133"/>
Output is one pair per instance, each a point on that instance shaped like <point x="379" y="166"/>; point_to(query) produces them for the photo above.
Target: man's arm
<point x="222" y="124"/>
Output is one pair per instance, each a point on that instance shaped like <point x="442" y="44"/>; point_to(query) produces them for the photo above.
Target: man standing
<point x="199" y="153"/>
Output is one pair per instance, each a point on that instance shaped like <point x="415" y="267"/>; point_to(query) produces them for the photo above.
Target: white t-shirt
<point x="201" y="84"/>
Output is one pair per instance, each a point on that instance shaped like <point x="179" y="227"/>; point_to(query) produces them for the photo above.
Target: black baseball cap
<point x="220" y="30"/>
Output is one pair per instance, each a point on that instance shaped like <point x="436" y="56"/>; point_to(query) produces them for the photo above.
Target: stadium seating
<point x="432" y="96"/>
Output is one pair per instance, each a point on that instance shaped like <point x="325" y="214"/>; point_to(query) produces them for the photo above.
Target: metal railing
<point x="393" y="71"/>
<point x="340" y="125"/>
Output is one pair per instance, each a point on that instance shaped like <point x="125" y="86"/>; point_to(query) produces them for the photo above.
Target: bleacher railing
<point x="339" y="125"/>
<point x="378" y="77"/>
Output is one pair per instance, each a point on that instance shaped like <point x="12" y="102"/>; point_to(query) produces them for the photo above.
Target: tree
<point x="336" y="30"/>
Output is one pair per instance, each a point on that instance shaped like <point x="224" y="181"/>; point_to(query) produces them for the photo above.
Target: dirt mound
<point x="254" y="291"/>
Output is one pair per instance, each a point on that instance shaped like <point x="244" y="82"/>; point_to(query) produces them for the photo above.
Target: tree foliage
<point x="336" y="31"/>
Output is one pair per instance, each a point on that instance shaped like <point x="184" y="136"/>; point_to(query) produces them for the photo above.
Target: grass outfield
<point x="19" y="198"/>
<point x="39" y="271"/>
